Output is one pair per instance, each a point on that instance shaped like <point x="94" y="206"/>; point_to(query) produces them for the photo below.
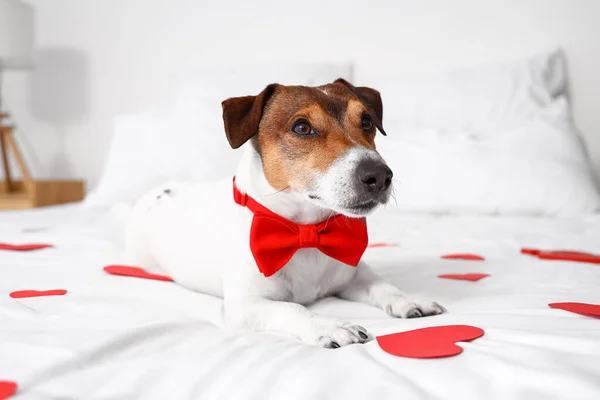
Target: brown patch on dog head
<point x="291" y="160"/>
<point x="370" y="98"/>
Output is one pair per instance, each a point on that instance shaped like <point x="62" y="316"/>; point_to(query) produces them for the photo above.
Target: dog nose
<point x="374" y="175"/>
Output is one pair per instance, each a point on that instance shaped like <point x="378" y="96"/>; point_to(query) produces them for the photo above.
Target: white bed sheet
<point x="115" y="337"/>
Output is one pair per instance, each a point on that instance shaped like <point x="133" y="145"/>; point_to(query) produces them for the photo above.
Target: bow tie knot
<point x="308" y="236"/>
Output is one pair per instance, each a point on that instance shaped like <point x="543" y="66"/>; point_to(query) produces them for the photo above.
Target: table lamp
<point x="16" y="52"/>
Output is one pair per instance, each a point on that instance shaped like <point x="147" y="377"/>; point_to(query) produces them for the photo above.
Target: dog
<point x="309" y="166"/>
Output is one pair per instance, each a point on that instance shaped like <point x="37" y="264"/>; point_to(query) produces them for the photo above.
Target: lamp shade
<point x="16" y="34"/>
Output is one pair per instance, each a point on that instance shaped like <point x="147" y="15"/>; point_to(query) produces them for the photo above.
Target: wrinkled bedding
<point x="114" y="337"/>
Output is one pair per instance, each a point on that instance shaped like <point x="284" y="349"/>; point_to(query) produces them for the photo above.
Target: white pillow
<point x="537" y="167"/>
<point x="495" y="139"/>
<point x="494" y="96"/>
<point x="151" y="148"/>
<point x="187" y="141"/>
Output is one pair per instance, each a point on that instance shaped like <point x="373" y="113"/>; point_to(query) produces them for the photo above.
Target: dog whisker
<point x="279" y="191"/>
<point x="393" y="196"/>
<point x="346" y="221"/>
<point x="331" y="214"/>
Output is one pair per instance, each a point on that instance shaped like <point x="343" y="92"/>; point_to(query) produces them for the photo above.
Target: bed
<point x="114" y="337"/>
<point x="487" y="161"/>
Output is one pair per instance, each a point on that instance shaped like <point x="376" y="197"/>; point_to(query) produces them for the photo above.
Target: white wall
<point x="100" y="58"/>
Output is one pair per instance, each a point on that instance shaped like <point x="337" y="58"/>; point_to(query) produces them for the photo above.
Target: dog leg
<point x="368" y="287"/>
<point x="262" y="314"/>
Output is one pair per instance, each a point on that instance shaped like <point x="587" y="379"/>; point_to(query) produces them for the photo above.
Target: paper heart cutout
<point x="531" y="252"/>
<point x="563" y="255"/>
<point x="382" y="244"/>
<point x="24" y="247"/>
<point x="432" y="342"/>
<point x="589" y="310"/>
<point x="473" y="277"/>
<point x="466" y="256"/>
<point x="125" y="270"/>
<point x="7" y="389"/>
<point x="21" y="294"/>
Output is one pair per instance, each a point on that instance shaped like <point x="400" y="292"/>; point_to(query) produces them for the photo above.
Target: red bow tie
<point x="274" y="239"/>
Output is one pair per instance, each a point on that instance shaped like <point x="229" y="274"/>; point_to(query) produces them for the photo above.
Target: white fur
<point x="199" y="236"/>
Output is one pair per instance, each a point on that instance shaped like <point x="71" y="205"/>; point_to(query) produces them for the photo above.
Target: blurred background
<point x="96" y="60"/>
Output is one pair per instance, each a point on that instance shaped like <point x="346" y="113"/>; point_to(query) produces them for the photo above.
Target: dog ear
<point x="242" y="115"/>
<point x="370" y="98"/>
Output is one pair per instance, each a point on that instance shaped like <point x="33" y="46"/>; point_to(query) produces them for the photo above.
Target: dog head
<point x="317" y="141"/>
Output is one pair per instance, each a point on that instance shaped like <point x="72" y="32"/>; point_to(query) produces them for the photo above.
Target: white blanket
<point x="114" y="337"/>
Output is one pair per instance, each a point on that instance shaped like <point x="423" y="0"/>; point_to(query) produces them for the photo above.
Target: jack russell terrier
<point x="290" y="228"/>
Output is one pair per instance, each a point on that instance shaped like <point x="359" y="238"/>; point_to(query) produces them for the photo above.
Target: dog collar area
<point x="274" y="239"/>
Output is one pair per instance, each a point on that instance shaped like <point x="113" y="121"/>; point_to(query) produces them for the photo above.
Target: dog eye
<point x="367" y="123"/>
<point x="302" y="128"/>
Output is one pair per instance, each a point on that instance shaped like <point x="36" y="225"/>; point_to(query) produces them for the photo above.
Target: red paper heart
<point x="7" y="389"/>
<point x="382" y="244"/>
<point x="137" y="272"/>
<point x="473" y="277"/>
<point x="432" y="342"/>
<point x="531" y="252"/>
<point x="24" y="247"/>
<point x="590" y="310"/>
<point x="21" y="294"/>
<point x="470" y="257"/>
<point x="563" y="255"/>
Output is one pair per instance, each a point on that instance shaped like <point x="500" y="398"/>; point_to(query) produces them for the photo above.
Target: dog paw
<point x="402" y="307"/>
<point x="332" y="334"/>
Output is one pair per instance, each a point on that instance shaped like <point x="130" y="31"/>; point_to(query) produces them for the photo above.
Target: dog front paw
<point x="331" y="334"/>
<point x="402" y="307"/>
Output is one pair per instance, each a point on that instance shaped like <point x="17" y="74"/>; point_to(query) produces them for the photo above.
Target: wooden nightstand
<point x="40" y="193"/>
<point x="30" y="193"/>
